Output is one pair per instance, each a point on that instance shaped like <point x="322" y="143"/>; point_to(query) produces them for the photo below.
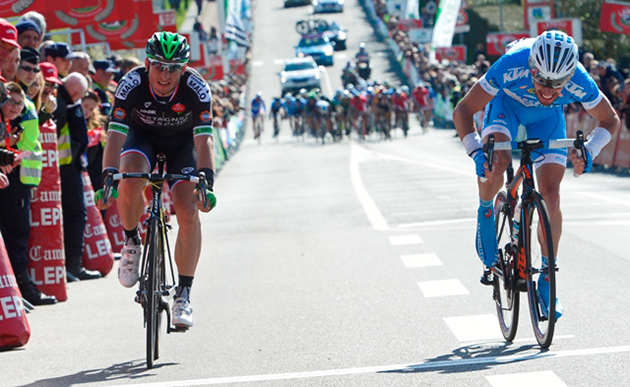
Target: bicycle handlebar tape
<point x="97" y="250"/>
<point x="46" y="266"/>
<point x="14" y="327"/>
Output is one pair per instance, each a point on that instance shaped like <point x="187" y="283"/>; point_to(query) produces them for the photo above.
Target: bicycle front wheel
<point x="539" y="243"/>
<point x="154" y="297"/>
<point x="506" y="295"/>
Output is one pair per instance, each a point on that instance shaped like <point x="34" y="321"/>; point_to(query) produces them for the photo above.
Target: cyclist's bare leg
<point x="489" y="189"/>
<point x="549" y="178"/>
<point x="188" y="244"/>
<point x="131" y="202"/>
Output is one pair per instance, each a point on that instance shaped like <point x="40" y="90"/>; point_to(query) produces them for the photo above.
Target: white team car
<point x="300" y="73"/>
<point x="320" y="6"/>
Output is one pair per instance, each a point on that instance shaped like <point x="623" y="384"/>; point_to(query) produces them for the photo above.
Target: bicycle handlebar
<point x="152" y="178"/>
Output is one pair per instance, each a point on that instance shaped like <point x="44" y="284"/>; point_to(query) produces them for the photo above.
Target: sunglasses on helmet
<point x="162" y="66"/>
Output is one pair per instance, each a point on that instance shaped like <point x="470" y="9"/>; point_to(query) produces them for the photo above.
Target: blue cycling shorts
<point x="504" y="115"/>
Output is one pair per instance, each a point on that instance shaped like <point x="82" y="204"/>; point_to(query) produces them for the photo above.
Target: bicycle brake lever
<point x="578" y="144"/>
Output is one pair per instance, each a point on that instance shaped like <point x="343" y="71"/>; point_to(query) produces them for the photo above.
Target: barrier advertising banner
<point x="537" y="10"/>
<point x="14" y="328"/>
<point x="97" y="251"/>
<point x="496" y="41"/>
<point x="46" y="264"/>
<point x="455" y="52"/>
<point x="615" y="18"/>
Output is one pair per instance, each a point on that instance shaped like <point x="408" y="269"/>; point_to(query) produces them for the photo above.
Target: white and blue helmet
<point x="553" y="58"/>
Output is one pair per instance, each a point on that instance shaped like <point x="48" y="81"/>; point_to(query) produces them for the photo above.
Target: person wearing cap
<point x="60" y="54"/>
<point x="81" y="64"/>
<point x="39" y="20"/>
<point x="49" y="91"/>
<point x="102" y="77"/>
<point x="72" y="141"/>
<point x="16" y="198"/>
<point x="29" y="34"/>
<point x="8" y="43"/>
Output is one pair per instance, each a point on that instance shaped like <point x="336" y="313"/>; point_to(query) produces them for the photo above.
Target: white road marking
<point x="323" y="70"/>
<point x="399" y="240"/>
<point x="421" y="260"/>
<point x="531" y="339"/>
<point x="278" y="61"/>
<point x="370" y="208"/>
<point x="605" y="198"/>
<point x="257" y="63"/>
<point x="442" y="288"/>
<point x="436" y="223"/>
<point x="341" y="56"/>
<point x="474" y="328"/>
<point x="526" y="379"/>
<point x="427" y="365"/>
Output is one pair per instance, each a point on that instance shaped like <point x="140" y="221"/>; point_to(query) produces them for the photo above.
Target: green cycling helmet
<point x="168" y="46"/>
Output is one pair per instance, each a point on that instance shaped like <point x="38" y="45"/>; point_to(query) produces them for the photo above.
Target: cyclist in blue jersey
<point x="258" y="112"/>
<point x="529" y="85"/>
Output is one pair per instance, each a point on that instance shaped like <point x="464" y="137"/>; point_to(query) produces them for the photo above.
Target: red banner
<point x="14" y="328"/>
<point x="407" y="24"/>
<point x="615" y="18"/>
<point x="16" y="8"/>
<point x="496" y="41"/>
<point x="102" y="11"/>
<point x="97" y="253"/>
<point x="572" y="27"/>
<point x="126" y="33"/>
<point x="455" y="52"/>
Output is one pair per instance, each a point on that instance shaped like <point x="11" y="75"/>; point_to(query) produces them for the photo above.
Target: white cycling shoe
<point x="129" y="266"/>
<point x="182" y="313"/>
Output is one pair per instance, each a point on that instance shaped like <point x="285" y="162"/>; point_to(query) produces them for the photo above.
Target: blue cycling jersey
<point x="258" y="106"/>
<point x="510" y="76"/>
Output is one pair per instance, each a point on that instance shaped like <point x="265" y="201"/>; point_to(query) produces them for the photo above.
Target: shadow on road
<point x="131" y="370"/>
<point x="475" y="357"/>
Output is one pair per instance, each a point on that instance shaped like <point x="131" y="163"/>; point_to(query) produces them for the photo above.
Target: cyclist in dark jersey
<point x="162" y="107"/>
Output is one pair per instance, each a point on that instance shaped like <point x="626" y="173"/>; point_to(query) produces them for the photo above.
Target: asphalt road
<point x="349" y="264"/>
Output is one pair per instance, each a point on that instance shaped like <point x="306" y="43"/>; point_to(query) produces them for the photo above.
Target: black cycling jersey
<point x="136" y="107"/>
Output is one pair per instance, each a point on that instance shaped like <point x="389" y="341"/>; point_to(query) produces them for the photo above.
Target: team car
<point x="320" y="6"/>
<point x="299" y="73"/>
<point x="337" y="35"/>
<point x="318" y="47"/>
<point x="293" y="3"/>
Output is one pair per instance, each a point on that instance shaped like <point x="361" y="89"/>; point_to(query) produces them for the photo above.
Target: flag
<point x="445" y="23"/>
<point x="235" y="31"/>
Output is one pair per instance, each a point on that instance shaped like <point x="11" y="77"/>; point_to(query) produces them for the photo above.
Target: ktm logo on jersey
<point x="178" y="108"/>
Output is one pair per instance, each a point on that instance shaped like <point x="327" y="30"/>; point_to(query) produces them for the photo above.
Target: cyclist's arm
<point x="476" y="99"/>
<point x="113" y="147"/>
<point x="606" y="115"/>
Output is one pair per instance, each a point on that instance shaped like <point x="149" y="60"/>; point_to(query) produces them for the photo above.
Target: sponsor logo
<point x="147" y="104"/>
<point x="79" y="112"/>
<point x="178" y="108"/>
<point x="187" y="170"/>
<point x="153" y="120"/>
<point x="575" y="89"/>
<point x="10" y="31"/>
<point x="114" y="221"/>
<point x="145" y="111"/>
<point x="205" y="116"/>
<point x="200" y="87"/>
<point x="515" y="73"/>
<point x="488" y="213"/>
<point x="499" y="122"/>
<point x="35" y="253"/>
<point x="501" y="115"/>
<point x="128" y="83"/>
<point x="119" y="114"/>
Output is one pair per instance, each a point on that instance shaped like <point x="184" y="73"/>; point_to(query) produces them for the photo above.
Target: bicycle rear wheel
<point x="506" y="295"/>
<point x="154" y="297"/>
<point x="537" y="233"/>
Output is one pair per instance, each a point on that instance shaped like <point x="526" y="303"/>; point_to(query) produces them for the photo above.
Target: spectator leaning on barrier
<point x="15" y="199"/>
<point x="72" y="140"/>
<point x="60" y="54"/>
<point x="29" y="34"/>
<point x="49" y="91"/>
<point x="608" y="77"/>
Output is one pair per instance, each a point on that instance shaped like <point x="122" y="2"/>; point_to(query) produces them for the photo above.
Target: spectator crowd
<point x="46" y="82"/>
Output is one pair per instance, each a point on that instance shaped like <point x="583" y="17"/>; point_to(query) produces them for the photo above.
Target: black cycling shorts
<point x="180" y="151"/>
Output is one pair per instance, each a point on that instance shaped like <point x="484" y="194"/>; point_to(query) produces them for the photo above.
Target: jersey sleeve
<point x="202" y="114"/>
<point x="582" y="88"/>
<point x="120" y="117"/>
<point x="491" y="81"/>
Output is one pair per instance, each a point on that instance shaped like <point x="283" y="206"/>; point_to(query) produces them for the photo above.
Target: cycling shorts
<point x="504" y="114"/>
<point x="180" y="151"/>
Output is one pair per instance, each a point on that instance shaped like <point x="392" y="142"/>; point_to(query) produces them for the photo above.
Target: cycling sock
<point x="132" y="235"/>
<point x="183" y="289"/>
<point x="486" y="239"/>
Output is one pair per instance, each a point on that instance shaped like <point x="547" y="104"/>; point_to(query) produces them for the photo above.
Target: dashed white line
<point x="399" y="240"/>
<point x="257" y="63"/>
<point x="474" y="328"/>
<point x="370" y="208"/>
<point x="526" y="379"/>
<point x="421" y="260"/>
<point x="443" y="288"/>
<point x="427" y="365"/>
